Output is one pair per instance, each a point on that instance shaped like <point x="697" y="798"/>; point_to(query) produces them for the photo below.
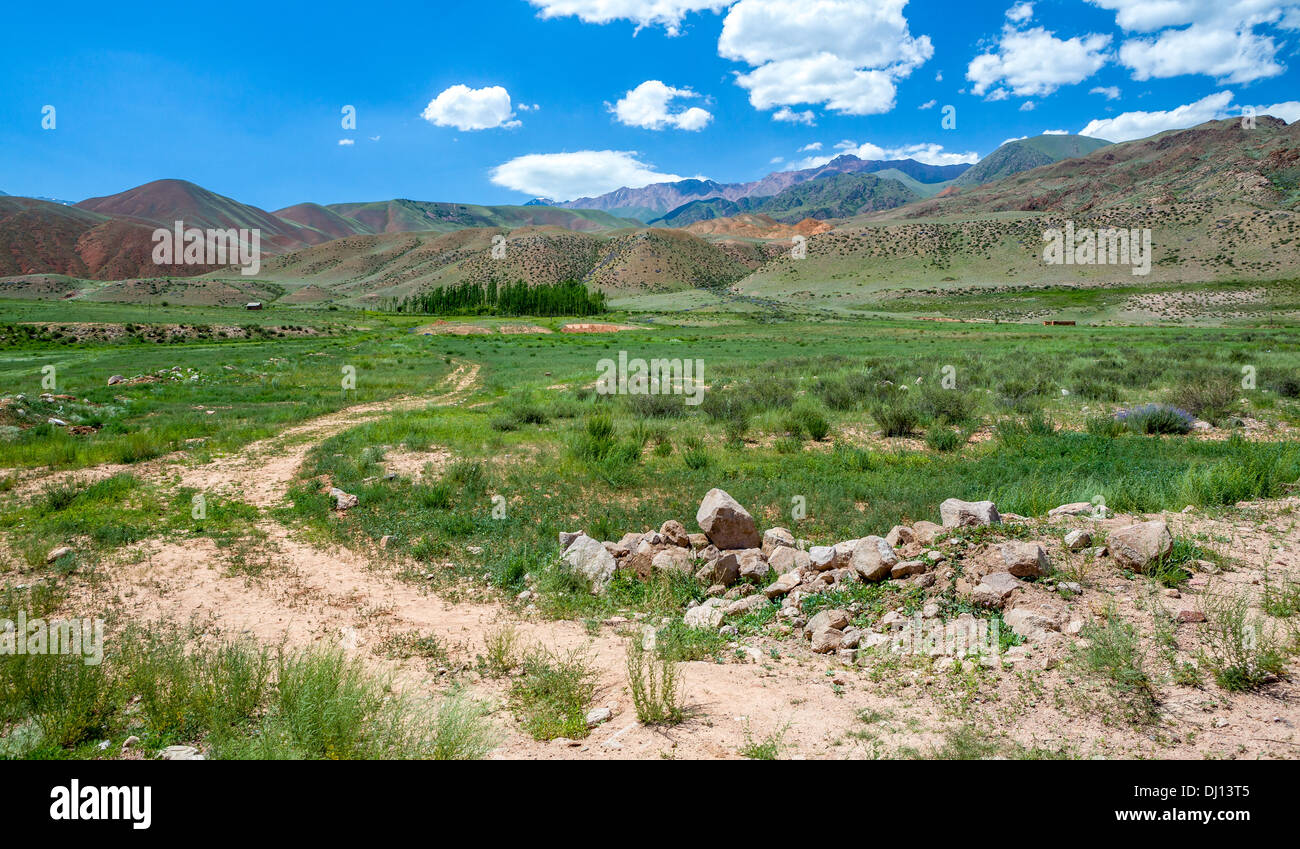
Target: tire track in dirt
<point x="278" y="451"/>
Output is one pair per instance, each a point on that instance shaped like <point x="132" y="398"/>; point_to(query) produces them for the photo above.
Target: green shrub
<point x="896" y="418"/>
<point x="943" y="439"/>
<point x="1213" y="398"/>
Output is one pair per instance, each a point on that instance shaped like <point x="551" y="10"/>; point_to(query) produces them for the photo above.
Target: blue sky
<point x="496" y="101"/>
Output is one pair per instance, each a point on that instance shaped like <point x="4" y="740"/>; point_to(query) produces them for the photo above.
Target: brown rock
<point x="727" y="524"/>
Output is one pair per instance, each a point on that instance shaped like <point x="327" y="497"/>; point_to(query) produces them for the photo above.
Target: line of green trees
<point x="567" y="298"/>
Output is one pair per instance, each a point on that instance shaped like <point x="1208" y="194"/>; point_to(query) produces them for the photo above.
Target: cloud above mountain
<point x="925" y="152"/>
<point x="583" y="173"/>
<point x="1137" y="125"/>
<point x="469" y="109"/>
<point x="844" y="55"/>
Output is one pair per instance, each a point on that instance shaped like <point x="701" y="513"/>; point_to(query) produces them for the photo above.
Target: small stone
<point x="1189" y="616"/>
<point x="827" y="640"/>
<point x="706" y="615"/>
<point x="596" y="716"/>
<point x="873" y="558"/>
<point x="343" y="500"/>
<point x="995" y="589"/>
<point x="1078" y="540"/>
<point x="55" y="554"/>
<point x="783" y="585"/>
<point x="774" y="538"/>
<point x="181" y="753"/>
<point x="927" y="532"/>
<point x="908" y="568"/>
<point x="674" y="533"/>
<point x="1025" y="559"/>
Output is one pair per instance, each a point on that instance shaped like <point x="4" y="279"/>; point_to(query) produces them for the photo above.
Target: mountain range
<point x="1221" y="199"/>
<point x="657" y="200"/>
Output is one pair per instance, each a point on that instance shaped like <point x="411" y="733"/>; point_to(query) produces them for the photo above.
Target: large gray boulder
<point x="1137" y="546"/>
<point x="873" y="558"/>
<point x="590" y="559"/>
<point x="955" y="513"/>
<point x="727" y="524"/>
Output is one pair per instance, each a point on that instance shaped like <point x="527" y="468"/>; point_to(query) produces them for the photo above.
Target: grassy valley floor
<point x="193" y="504"/>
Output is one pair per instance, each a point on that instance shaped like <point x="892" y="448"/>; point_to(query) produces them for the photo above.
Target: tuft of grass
<point x="1114" y="654"/>
<point x="767" y="749"/>
<point x="500" y="651"/>
<point x="942" y="438"/>
<point x="1237" y="647"/>
<point x="551" y="696"/>
<point x="655" y="683"/>
<point x="1281" y="600"/>
<point x="1156" y="419"/>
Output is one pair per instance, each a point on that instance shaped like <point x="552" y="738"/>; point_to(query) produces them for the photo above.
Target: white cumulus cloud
<point x="928" y="153"/>
<point x="582" y="173"/>
<point x="468" y="108"/>
<point x="1035" y="63"/>
<point x="1288" y="111"/>
<point x="1020" y="12"/>
<point x="1225" y="39"/>
<point x="649" y="106"/>
<point x="843" y="54"/>
<point x="645" y="13"/>
<point x="1139" y="125"/>
<point x="787" y="115"/>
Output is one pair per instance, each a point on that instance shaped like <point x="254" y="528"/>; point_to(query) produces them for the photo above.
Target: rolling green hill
<point x="1024" y="154"/>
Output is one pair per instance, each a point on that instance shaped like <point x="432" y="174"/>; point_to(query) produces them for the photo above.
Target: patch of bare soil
<point x="596" y="328"/>
<point x="523" y="328"/>
<point x="415" y="464"/>
<point x="443" y="328"/>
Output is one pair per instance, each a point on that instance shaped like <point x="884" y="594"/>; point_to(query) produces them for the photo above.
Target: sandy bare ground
<point x="828" y="709"/>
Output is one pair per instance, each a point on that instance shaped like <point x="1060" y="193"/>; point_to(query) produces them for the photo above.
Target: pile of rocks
<point x="747" y="572"/>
